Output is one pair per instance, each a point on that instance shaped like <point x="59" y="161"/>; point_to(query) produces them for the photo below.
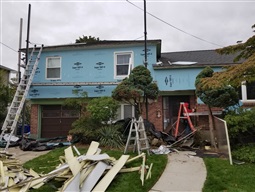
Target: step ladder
<point x="183" y="114"/>
<point x="137" y="137"/>
<point x="19" y="99"/>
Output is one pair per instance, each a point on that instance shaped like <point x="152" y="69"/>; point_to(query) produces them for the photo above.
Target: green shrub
<point x="103" y="109"/>
<point x="86" y="129"/>
<point x="109" y="136"/>
<point x="245" y="153"/>
<point x="241" y="126"/>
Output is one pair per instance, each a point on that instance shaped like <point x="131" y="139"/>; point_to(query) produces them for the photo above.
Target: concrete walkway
<point x="184" y="172"/>
<point x="25" y="156"/>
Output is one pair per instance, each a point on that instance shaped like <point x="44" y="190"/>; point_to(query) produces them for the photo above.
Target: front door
<point x="171" y="106"/>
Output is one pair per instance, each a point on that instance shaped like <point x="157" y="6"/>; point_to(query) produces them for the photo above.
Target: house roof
<point x="195" y="59"/>
<point x="7" y="69"/>
<point x="102" y="44"/>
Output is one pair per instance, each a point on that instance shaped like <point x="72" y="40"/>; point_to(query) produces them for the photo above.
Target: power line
<point x="201" y="39"/>
<point x="8" y="47"/>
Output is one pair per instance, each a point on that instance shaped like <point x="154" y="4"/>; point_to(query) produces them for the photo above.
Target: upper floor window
<point x="53" y="66"/>
<point x="248" y="91"/>
<point x="122" y="64"/>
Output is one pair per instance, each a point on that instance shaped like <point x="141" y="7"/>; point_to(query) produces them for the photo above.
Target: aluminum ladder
<point x="19" y="98"/>
<point x="137" y="137"/>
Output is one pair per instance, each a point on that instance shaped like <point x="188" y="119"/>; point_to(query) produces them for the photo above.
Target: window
<point x="53" y="65"/>
<point x="122" y="64"/>
<point x="248" y="91"/>
<point x="125" y="111"/>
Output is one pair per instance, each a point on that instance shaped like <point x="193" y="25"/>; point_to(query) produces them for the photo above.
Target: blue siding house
<point x="95" y="67"/>
<point x="98" y="67"/>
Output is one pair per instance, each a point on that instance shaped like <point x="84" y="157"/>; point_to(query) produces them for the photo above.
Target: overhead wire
<point x="8" y="47"/>
<point x="187" y="33"/>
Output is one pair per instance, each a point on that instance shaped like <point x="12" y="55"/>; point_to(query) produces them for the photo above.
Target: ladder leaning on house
<point x="137" y="137"/>
<point x="18" y="101"/>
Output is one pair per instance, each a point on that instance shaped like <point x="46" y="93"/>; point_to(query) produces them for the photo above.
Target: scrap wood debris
<point x="92" y="171"/>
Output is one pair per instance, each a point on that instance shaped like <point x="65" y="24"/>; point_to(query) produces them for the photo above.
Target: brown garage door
<point x="56" y="120"/>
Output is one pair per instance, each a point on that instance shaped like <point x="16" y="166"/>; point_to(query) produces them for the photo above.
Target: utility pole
<point x="145" y="54"/>
<point x="27" y="53"/>
<point x="19" y="55"/>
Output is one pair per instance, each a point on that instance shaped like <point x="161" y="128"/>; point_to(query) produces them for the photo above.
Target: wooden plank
<point x="74" y="165"/>
<point x="149" y="172"/>
<point x="69" y="153"/>
<point x="92" y="148"/>
<point x="99" y="157"/>
<point x="107" y="179"/>
<point x="72" y="161"/>
<point x="36" y="183"/>
<point x="94" y="176"/>
<point x="72" y="184"/>
<point x="142" y="170"/>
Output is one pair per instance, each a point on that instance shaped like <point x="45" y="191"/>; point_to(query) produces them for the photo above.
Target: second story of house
<point x="95" y="68"/>
<point x="5" y="73"/>
<point x="177" y="71"/>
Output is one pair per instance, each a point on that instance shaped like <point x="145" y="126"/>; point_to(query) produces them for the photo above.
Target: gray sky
<point x="58" y="22"/>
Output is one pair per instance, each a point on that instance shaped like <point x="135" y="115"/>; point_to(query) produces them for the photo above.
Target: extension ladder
<point x="137" y="137"/>
<point x="183" y="110"/>
<point x="19" y="99"/>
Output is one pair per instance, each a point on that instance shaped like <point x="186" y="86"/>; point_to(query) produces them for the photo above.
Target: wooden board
<point x="92" y="148"/>
<point x="94" y="176"/>
<point x="107" y="179"/>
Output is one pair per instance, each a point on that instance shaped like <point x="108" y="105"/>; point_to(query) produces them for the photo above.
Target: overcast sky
<point x="181" y="25"/>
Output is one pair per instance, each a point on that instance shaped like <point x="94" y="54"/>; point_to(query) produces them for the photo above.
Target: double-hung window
<point x="53" y="67"/>
<point x="122" y="64"/>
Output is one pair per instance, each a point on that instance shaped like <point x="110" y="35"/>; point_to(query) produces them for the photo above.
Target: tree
<point x="87" y="39"/>
<point x="135" y="88"/>
<point x="103" y="109"/>
<point x="235" y="75"/>
<point x="6" y="95"/>
<point x="223" y="97"/>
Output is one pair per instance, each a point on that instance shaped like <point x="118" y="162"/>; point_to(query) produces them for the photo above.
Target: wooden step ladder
<point x="183" y="114"/>
<point x="137" y="137"/>
<point x="19" y="98"/>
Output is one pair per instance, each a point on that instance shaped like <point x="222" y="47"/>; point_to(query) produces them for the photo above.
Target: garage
<point x="57" y="120"/>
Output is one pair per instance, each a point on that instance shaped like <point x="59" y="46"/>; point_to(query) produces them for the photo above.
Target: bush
<point x="245" y="153"/>
<point x="86" y="129"/>
<point x="109" y="136"/>
<point x="241" y="126"/>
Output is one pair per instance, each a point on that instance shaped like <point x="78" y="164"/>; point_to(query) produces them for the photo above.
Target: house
<point x="6" y="74"/>
<point x="95" y="67"/>
<point x="98" y="67"/>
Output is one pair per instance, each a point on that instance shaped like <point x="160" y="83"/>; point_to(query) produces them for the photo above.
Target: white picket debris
<point x="89" y="172"/>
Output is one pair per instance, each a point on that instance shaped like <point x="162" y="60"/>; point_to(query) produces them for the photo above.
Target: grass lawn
<point x="122" y="182"/>
<point x="221" y="176"/>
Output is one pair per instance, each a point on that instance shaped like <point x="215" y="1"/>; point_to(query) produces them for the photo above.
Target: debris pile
<point x="92" y="171"/>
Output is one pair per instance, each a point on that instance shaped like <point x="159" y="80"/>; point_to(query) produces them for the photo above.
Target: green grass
<point x="122" y="182"/>
<point x="221" y="176"/>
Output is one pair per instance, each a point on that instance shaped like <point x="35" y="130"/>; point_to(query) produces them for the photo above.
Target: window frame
<point x="244" y="94"/>
<point x="131" y="63"/>
<point x="46" y="68"/>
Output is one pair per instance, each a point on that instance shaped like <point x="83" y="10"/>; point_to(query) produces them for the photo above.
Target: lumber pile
<point x="92" y="171"/>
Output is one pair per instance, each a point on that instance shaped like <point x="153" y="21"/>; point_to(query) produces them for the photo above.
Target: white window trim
<point x="122" y="110"/>
<point x="47" y="67"/>
<point x="244" y="94"/>
<point x="131" y="63"/>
